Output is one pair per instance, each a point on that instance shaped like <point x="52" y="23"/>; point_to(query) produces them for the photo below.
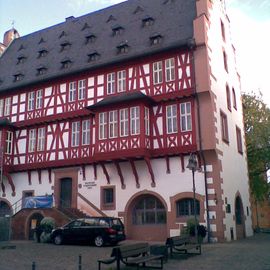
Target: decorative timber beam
<point x="134" y="170"/>
<point x="10" y="181"/>
<point x="148" y="163"/>
<point x="182" y="162"/>
<point x="168" y="164"/>
<point x="117" y="165"/>
<point x="29" y="178"/>
<point x="39" y="176"/>
<point x="105" y="172"/>
<point x="83" y="172"/>
<point x="95" y="171"/>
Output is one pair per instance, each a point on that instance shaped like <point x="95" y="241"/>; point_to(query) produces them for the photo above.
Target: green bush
<point x="47" y="224"/>
<point x="191" y="225"/>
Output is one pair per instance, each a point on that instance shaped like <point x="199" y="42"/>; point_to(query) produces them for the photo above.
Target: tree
<point x="257" y="130"/>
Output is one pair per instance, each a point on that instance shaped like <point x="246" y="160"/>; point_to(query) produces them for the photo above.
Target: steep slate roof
<point x="66" y="42"/>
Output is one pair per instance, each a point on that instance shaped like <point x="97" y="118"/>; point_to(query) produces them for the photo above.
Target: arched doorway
<point x="34" y="222"/>
<point x="147" y="219"/>
<point x="5" y="209"/>
<point x="239" y="218"/>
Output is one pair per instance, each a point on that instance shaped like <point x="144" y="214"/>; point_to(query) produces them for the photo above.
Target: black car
<point x="92" y="230"/>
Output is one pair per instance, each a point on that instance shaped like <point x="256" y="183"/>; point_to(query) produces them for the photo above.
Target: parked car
<point x="92" y="230"/>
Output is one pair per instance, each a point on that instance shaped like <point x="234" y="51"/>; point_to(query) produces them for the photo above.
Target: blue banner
<point x="38" y="202"/>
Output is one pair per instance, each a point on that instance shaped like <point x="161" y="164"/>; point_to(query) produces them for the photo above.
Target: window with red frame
<point x="224" y="127"/>
<point x="239" y="140"/>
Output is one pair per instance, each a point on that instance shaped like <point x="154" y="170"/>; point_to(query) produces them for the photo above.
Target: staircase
<point x="72" y="213"/>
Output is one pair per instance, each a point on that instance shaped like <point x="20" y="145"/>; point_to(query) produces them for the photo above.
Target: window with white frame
<point x="171" y="118"/>
<point x="72" y="92"/>
<point x="32" y="140"/>
<point x="134" y="120"/>
<point x="82" y="87"/>
<point x="157" y="72"/>
<point x="146" y="121"/>
<point x="39" y="99"/>
<point x="170" y="69"/>
<point x="102" y="126"/>
<point x="186" y="121"/>
<point x="85" y="132"/>
<point x="111" y="83"/>
<point x="31" y="101"/>
<point x="121" y="80"/>
<point x="9" y="140"/>
<point x="7" y="107"/>
<point x="124" y="122"/>
<point x="41" y="139"/>
<point x="113" y="124"/>
<point x="1" y="107"/>
<point x="75" y="134"/>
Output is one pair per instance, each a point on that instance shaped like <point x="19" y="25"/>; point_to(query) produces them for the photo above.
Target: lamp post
<point x="193" y="166"/>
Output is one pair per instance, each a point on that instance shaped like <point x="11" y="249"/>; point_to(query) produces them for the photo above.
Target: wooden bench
<point x="132" y="255"/>
<point x="182" y="245"/>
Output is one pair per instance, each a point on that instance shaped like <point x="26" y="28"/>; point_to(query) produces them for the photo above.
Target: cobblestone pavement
<point x="249" y="254"/>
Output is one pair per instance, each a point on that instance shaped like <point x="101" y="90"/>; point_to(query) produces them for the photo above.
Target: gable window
<point x="224" y="127"/>
<point x="171" y="119"/>
<point x="155" y="39"/>
<point x="9" y="141"/>
<point x="41" y="139"/>
<point x="117" y="30"/>
<point x="239" y="140"/>
<point x="41" y="70"/>
<point x="102" y="126"/>
<point x="66" y="64"/>
<point x="42" y="53"/>
<point x="185" y="111"/>
<point x="146" y="121"/>
<point x="228" y="94"/>
<point x="134" y="121"/>
<point x="113" y="124"/>
<point x="170" y="69"/>
<point x="39" y="99"/>
<point x="72" y="92"/>
<point x="75" y="134"/>
<point x="157" y="72"/>
<point x="1" y="107"/>
<point x="111" y="83"/>
<point x="123" y="122"/>
<point x="7" y="107"/>
<point x="32" y="140"/>
<point x="65" y="46"/>
<point x="82" y="87"/>
<point x="21" y="59"/>
<point x="185" y="207"/>
<point x="93" y="56"/>
<point x="90" y="39"/>
<point x="234" y="99"/>
<point x="31" y="101"/>
<point x="122" y="48"/>
<point x="18" y="77"/>
<point x="121" y="76"/>
<point x="85" y="132"/>
<point x="148" y="21"/>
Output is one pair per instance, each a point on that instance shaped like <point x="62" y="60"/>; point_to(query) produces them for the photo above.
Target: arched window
<point x="185" y="207"/>
<point x="149" y="210"/>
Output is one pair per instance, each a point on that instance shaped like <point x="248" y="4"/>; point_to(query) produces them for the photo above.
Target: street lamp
<point x="193" y="166"/>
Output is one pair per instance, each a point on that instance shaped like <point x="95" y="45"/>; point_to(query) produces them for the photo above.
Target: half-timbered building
<point x="103" y="111"/>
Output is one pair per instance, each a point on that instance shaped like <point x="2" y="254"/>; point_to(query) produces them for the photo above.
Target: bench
<point x="136" y="255"/>
<point x="182" y="245"/>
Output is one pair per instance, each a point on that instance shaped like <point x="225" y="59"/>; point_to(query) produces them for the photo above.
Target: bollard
<point x="80" y="262"/>
<point x="33" y="266"/>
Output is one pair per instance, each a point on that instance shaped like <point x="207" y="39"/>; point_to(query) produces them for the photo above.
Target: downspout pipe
<point x="192" y="47"/>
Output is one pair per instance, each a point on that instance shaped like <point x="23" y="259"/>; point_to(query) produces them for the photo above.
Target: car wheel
<point x="58" y="239"/>
<point x="99" y="242"/>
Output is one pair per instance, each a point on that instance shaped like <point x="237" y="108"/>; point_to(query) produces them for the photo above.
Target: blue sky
<point x="250" y="22"/>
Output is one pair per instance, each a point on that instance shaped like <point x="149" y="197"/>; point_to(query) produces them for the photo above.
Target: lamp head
<point x="192" y="162"/>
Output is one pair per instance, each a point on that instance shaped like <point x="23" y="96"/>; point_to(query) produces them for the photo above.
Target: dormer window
<point x="93" y="56"/>
<point x="65" y="46"/>
<point x="21" y="59"/>
<point x="90" y="38"/>
<point x="21" y="48"/>
<point x="66" y="64"/>
<point x="41" y="70"/>
<point x="117" y="30"/>
<point x="86" y="26"/>
<point x="156" y="39"/>
<point x="148" y="21"/>
<point x="18" y="77"/>
<point x="41" y="41"/>
<point x="42" y="53"/>
<point x="122" y="48"/>
<point x="63" y="34"/>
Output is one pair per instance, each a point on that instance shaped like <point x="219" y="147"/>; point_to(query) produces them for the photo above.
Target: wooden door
<point x="65" y="192"/>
